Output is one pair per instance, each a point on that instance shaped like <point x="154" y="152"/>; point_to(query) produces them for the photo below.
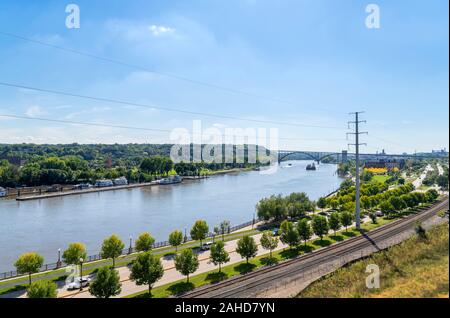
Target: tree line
<point x="277" y="207"/>
<point x="44" y="170"/>
<point x="147" y="268"/>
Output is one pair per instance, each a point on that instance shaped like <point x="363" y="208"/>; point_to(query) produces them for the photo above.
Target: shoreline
<point x="122" y="187"/>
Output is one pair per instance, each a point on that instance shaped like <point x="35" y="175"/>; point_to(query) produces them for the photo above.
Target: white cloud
<point x="158" y="30"/>
<point x="87" y="111"/>
<point x="34" y="111"/>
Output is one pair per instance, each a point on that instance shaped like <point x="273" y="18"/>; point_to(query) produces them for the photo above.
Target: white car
<point x="206" y="246"/>
<point x="84" y="282"/>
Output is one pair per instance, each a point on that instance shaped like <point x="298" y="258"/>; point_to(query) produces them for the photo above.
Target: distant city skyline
<point x="271" y="62"/>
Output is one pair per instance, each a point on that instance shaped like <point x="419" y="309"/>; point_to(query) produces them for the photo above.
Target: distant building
<point x="108" y="162"/>
<point x="344" y="156"/>
<point x="387" y="164"/>
<point x="120" y="181"/>
<point x="442" y="151"/>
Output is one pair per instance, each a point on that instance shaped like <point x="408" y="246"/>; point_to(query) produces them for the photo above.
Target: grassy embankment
<point x="416" y="268"/>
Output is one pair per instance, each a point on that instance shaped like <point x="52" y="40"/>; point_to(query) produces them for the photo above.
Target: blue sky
<point x="315" y="61"/>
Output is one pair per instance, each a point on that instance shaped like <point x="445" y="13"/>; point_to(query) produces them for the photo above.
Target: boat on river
<point x="171" y="180"/>
<point x="311" y="166"/>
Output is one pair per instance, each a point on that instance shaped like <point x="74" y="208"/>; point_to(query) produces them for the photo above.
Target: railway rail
<point x="253" y="281"/>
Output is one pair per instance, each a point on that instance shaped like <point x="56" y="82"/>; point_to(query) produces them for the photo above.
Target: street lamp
<point x="81" y="273"/>
<point x="130" y="249"/>
<point x="58" y="263"/>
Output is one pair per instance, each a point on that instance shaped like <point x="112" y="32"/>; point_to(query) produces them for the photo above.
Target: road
<point x="251" y="284"/>
<point x="418" y="182"/>
<point x="170" y="273"/>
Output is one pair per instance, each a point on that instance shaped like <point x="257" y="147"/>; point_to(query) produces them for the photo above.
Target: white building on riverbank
<point x="120" y="181"/>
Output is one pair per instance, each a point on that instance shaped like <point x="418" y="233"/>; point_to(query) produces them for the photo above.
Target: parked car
<point x="83" y="281"/>
<point x="206" y="246"/>
<point x="276" y="231"/>
<point x="3" y="192"/>
<point x="379" y="213"/>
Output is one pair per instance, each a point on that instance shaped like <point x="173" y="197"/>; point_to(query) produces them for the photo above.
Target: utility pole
<point x="357" y="144"/>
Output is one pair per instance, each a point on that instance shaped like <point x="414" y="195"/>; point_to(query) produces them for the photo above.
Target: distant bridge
<point x="344" y="155"/>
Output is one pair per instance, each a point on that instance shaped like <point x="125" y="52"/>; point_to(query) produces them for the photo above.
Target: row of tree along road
<point x="296" y="226"/>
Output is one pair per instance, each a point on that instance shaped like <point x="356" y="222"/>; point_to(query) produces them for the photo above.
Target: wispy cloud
<point x="87" y="111"/>
<point x="34" y="111"/>
<point x="159" y="30"/>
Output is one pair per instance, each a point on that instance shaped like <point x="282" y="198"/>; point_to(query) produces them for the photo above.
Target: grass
<point x="240" y="268"/>
<point x="379" y="178"/>
<point x="230" y="270"/>
<point x="415" y="268"/>
<point x="91" y="267"/>
<point x="24" y="287"/>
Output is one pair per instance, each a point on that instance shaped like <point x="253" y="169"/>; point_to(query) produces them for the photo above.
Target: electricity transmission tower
<point x="357" y="144"/>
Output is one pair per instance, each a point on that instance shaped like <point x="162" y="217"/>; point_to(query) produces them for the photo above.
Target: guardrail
<point x="126" y="251"/>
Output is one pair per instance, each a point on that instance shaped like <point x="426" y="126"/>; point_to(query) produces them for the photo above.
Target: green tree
<point x="216" y="232"/>
<point x="273" y="207"/>
<point x="269" y="242"/>
<point x="146" y="269"/>
<point x="112" y="247"/>
<point x="366" y="202"/>
<point x="219" y="255"/>
<point x="334" y="204"/>
<point x="199" y="231"/>
<point x="431" y="195"/>
<point x="186" y="262"/>
<point x="74" y="253"/>
<point x="106" y="283"/>
<point x="42" y="289"/>
<point x="29" y="263"/>
<point x="144" y="242"/>
<point x="224" y="228"/>
<point x="373" y="217"/>
<point x="246" y="247"/>
<point x="346" y="219"/>
<point x="398" y="203"/>
<point x="175" y="239"/>
<point x="320" y="226"/>
<point x="387" y="208"/>
<point x="322" y="203"/>
<point x="304" y="230"/>
<point x="289" y="234"/>
<point x="335" y="222"/>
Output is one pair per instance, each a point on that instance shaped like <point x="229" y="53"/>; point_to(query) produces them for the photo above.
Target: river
<point x="45" y="225"/>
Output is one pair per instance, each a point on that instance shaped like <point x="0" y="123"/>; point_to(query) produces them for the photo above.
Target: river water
<point x="45" y="225"/>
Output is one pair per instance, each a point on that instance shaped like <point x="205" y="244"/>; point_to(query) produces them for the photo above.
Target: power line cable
<point x="115" y="101"/>
<point x="72" y="122"/>
<point x="165" y="74"/>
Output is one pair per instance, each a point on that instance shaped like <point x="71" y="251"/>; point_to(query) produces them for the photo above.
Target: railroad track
<point x="253" y="281"/>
